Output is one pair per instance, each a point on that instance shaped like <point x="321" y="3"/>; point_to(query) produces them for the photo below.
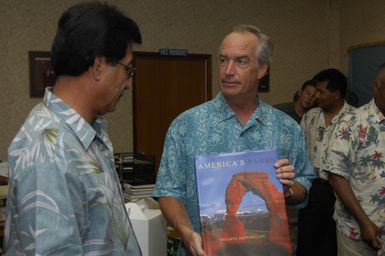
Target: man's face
<point x="239" y="71"/>
<point x="307" y="97"/>
<point x="325" y="97"/>
<point x="113" y="84"/>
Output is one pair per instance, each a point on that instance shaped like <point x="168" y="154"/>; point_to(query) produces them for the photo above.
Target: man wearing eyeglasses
<point x="64" y="195"/>
<point x="235" y="120"/>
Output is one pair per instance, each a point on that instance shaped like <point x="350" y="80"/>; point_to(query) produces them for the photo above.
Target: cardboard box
<point x="150" y="227"/>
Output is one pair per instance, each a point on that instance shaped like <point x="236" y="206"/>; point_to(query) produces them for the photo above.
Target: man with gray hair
<point x="356" y="171"/>
<point x="235" y="120"/>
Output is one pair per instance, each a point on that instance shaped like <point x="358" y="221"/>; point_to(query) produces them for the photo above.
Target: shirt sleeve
<point x="339" y="159"/>
<point x="295" y="150"/>
<point x="304" y="170"/>
<point x="171" y="178"/>
<point x="47" y="213"/>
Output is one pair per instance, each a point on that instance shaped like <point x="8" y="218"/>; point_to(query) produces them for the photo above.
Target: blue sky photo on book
<point x="241" y="203"/>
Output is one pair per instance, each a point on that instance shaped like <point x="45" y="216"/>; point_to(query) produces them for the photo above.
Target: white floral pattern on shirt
<point x="318" y="136"/>
<point x="64" y="194"/>
<point x="358" y="154"/>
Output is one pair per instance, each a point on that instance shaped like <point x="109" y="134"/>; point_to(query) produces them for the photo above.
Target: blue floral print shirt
<point x="357" y="154"/>
<point x="213" y="128"/>
<point x="64" y="194"/>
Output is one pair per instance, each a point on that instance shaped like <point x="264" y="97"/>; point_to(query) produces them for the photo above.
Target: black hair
<point x="90" y="30"/>
<point x="337" y="81"/>
<point x="307" y="83"/>
<point x="352" y="98"/>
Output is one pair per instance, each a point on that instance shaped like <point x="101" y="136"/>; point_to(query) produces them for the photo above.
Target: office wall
<point x="361" y="23"/>
<point x="305" y="35"/>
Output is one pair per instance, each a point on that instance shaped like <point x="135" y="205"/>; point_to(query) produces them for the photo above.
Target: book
<point x="242" y="205"/>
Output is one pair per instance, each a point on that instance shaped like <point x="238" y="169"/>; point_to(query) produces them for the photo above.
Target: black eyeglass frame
<point x="130" y="69"/>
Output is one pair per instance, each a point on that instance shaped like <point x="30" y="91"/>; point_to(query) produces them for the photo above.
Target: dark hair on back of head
<point x="307" y="83"/>
<point x="337" y="81"/>
<point x="90" y="30"/>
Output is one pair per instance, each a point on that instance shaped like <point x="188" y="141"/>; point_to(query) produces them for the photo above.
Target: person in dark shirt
<point x="303" y="100"/>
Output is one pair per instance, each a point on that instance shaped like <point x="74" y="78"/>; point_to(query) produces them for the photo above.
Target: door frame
<point x="155" y="55"/>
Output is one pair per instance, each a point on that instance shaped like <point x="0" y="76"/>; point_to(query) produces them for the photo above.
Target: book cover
<point x="241" y="204"/>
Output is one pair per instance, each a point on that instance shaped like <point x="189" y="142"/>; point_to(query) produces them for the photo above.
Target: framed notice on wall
<point x="41" y="74"/>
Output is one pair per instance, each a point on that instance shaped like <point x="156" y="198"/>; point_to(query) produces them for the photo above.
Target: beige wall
<point x="362" y="22"/>
<point x="306" y="36"/>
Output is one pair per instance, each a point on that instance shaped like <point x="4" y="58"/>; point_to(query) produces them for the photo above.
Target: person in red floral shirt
<point x="356" y="166"/>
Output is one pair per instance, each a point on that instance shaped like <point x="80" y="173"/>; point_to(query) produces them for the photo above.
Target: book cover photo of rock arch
<point x="241" y="204"/>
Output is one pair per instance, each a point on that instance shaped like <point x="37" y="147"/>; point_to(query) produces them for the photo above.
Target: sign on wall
<point x="41" y="74"/>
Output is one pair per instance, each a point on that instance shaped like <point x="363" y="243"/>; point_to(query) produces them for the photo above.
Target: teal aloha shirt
<point x="64" y="194"/>
<point x="213" y="128"/>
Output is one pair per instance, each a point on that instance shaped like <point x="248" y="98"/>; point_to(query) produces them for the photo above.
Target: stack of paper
<point x="136" y="192"/>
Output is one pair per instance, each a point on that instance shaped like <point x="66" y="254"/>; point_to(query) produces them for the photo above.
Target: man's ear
<point x="376" y="86"/>
<point x="96" y="69"/>
<point x="338" y="95"/>
<point x="299" y="92"/>
<point x="262" y="70"/>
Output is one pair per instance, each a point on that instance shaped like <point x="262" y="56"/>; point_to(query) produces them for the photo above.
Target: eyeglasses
<point x="130" y="70"/>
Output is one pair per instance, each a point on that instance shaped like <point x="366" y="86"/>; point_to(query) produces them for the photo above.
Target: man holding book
<point x="236" y="120"/>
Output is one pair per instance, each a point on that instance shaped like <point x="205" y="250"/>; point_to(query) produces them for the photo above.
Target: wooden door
<point x="164" y="87"/>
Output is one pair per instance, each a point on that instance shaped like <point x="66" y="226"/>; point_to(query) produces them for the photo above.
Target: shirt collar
<point x="345" y="108"/>
<point x="226" y="112"/>
<point x="81" y="128"/>
<point x="223" y="109"/>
